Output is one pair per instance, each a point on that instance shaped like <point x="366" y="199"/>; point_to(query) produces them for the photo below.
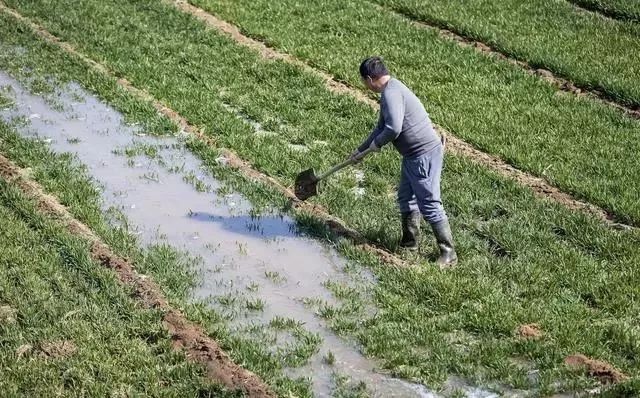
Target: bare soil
<point x="600" y="370"/>
<point x="57" y="349"/>
<point x="529" y="331"/>
<point x="23" y="350"/>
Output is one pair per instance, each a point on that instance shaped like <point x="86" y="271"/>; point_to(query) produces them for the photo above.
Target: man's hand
<point x="355" y="157"/>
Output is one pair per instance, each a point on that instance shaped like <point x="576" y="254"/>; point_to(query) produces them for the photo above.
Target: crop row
<point x="524" y="259"/>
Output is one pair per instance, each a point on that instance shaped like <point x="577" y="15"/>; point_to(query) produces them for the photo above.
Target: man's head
<point x="374" y="73"/>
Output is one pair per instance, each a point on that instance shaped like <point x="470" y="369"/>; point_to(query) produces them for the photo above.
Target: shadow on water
<point x="262" y="226"/>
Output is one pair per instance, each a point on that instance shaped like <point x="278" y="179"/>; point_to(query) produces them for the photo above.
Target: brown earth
<point x="57" y="349"/>
<point x="186" y="336"/>
<point x="600" y="370"/>
<point x="529" y="331"/>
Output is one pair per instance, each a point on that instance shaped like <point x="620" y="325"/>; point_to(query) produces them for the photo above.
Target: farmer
<point x="404" y="122"/>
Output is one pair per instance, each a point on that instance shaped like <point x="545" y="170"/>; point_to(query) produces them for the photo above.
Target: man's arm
<point x="392" y="110"/>
<point x="377" y="130"/>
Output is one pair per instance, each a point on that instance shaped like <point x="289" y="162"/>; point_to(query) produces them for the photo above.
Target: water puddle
<point x="261" y="261"/>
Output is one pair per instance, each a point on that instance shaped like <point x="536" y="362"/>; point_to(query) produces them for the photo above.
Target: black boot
<point x="442" y="232"/>
<point x="410" y="230"/>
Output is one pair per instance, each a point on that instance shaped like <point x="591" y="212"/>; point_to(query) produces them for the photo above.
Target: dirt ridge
<point x="185" y="335"/>
<point x="561" y="83"/>
<point x="456" y="145"/>
<point x="606" y="13"/>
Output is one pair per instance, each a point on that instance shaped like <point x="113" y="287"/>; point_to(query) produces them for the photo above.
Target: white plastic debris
<point x="35" y="116"/>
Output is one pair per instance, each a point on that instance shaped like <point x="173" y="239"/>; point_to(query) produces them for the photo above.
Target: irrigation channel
<point x="166" y="196"/>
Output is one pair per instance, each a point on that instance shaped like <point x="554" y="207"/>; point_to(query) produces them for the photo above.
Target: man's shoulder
<point x="393" y="88"/>
<point x="396" y="86"/>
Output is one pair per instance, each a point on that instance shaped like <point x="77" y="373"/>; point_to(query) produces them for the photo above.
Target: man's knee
<point x="407" y="206"/>
<point x="433" y="212"/>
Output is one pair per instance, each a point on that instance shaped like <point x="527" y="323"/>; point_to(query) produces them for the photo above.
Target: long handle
<point x="344" y="164"/>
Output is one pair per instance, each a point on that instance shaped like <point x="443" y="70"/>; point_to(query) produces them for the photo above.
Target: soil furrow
<point x="604" y="12"/>
<point x="185" y="335"/>
<point x="456" y="145"/>
<point x="561" y="83"/>
<point x="334" y="224"/>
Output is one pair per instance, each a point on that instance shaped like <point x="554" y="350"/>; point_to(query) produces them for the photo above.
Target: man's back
<point x="417" y="135"/>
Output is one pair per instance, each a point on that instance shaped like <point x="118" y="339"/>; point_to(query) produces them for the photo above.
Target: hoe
<point x="306" y="184"/>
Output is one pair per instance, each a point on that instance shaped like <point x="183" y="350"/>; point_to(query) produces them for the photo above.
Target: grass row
<point x="546" y="34"/>
<point x="618" y="9"/>
<point x="491" y="104"/>
<point x="525" y="260"/>
<point x="174" y="271"/>
<point x="68" y="328"/>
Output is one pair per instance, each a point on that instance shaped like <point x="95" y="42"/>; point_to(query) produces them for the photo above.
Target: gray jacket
<point x="403" y="121"/>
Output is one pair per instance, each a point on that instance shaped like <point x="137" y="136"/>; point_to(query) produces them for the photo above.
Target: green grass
<point x="617" y="9"/>
<point x="491" y="104"/>
<point x="52" y="292"/>
<point x="546" y="34"/>
<point x="5" y="100"/>
<point x="173" y="270"/>
<point x="523" y="259"/>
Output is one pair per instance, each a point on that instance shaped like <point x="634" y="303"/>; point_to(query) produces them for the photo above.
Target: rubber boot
<point x="442" y="232"/>
<point x="410" y="230"/>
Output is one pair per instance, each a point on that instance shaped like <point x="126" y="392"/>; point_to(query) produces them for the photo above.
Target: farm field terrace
<point x="490" y="103"/>
<point x="546" y="34"/>
<point x="527" y="260"/>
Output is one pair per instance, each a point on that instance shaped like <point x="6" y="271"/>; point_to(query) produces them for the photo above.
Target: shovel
<point x="306" y="184"/>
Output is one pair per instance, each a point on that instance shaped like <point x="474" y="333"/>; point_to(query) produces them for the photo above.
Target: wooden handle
<point x="344" y="164"/>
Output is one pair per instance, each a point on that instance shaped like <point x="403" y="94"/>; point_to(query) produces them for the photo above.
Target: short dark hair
<point x="373" y="67"/>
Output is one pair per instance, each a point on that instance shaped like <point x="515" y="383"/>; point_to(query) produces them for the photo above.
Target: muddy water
<point x="257" y="257"/>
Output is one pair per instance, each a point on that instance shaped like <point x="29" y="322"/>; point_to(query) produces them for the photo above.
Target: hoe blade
<point x="306" y="185"/>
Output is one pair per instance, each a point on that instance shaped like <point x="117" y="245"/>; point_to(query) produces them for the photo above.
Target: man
<point x="405" y="123"/>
